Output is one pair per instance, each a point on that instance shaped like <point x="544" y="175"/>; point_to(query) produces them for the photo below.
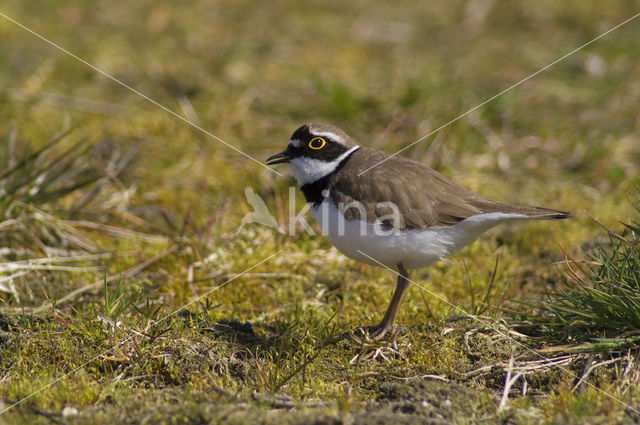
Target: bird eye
<point x="317" y="143"/>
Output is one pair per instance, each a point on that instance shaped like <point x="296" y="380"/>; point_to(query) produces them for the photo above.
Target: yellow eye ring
<point x="317" y="143"/>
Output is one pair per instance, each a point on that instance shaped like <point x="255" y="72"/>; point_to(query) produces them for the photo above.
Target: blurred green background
<point x="251" y="73"/>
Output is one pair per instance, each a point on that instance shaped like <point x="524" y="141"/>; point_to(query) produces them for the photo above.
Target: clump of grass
<point x="601" y="305"/>
<point x="49" y="196"/>
<point x="33" y="178"/>
<point x="51" y="182"/>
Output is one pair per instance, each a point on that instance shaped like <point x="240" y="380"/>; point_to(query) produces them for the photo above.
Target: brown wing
<point x="424" y="197"/>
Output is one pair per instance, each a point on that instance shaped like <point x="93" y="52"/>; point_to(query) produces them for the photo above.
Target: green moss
<point x="251" y="73"/>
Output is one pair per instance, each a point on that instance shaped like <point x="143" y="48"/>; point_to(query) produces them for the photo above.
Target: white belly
<point x="373" y="244"/>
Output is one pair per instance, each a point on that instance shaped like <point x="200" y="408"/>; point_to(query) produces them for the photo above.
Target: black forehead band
<point x="303" y="133"/>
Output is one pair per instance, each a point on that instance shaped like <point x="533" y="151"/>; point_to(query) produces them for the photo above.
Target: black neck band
<point x="313" y="191"/>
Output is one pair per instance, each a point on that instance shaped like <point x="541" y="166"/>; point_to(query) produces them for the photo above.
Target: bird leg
<point x="378" y="331"/>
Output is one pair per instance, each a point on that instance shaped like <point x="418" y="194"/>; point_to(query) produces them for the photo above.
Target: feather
<point x="424" y="197"/>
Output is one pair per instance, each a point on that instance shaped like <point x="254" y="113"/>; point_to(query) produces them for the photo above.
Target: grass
<point x="600" y="305"/>
<point x="114" y="214"/>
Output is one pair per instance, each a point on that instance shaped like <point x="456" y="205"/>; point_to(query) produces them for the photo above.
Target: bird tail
<point x="488" y="206"/>
<point x="550" y="214"/>
<point x="540" y="213"/>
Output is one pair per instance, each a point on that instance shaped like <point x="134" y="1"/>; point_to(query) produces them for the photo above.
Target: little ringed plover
<point x="400" y="213"/>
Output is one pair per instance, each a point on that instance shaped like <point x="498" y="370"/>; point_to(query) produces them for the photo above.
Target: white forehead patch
<point x="307" y="170"/>
<point x="295" y="142"/>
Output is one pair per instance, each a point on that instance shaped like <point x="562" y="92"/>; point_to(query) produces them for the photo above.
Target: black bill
<point x="278" y="158"/>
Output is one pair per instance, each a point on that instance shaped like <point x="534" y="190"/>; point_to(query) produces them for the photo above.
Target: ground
<point x="135" y="286"/>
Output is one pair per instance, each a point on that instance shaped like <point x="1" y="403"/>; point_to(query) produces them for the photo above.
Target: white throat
<point x="308" y="170"/>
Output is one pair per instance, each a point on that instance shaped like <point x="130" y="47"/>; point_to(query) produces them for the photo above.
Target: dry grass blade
<point x="16" y="165"/>
<point x="114" y="168"/>
<point x="97" y="284"/>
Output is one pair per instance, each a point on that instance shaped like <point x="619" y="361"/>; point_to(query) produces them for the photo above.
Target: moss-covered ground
<point x="131" y="291"/>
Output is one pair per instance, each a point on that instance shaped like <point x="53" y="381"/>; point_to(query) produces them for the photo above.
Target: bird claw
<point x="377" y="352"/>
<point x="370" y="333"/>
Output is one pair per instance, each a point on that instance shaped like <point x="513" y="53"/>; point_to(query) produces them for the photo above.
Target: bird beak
<point x="278" y="158"/>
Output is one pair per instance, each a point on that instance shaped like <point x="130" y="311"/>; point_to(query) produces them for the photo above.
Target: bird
<point x="387" y="210"/>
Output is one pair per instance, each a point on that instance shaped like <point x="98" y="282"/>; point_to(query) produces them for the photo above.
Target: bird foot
<point x="370" y="333"/>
